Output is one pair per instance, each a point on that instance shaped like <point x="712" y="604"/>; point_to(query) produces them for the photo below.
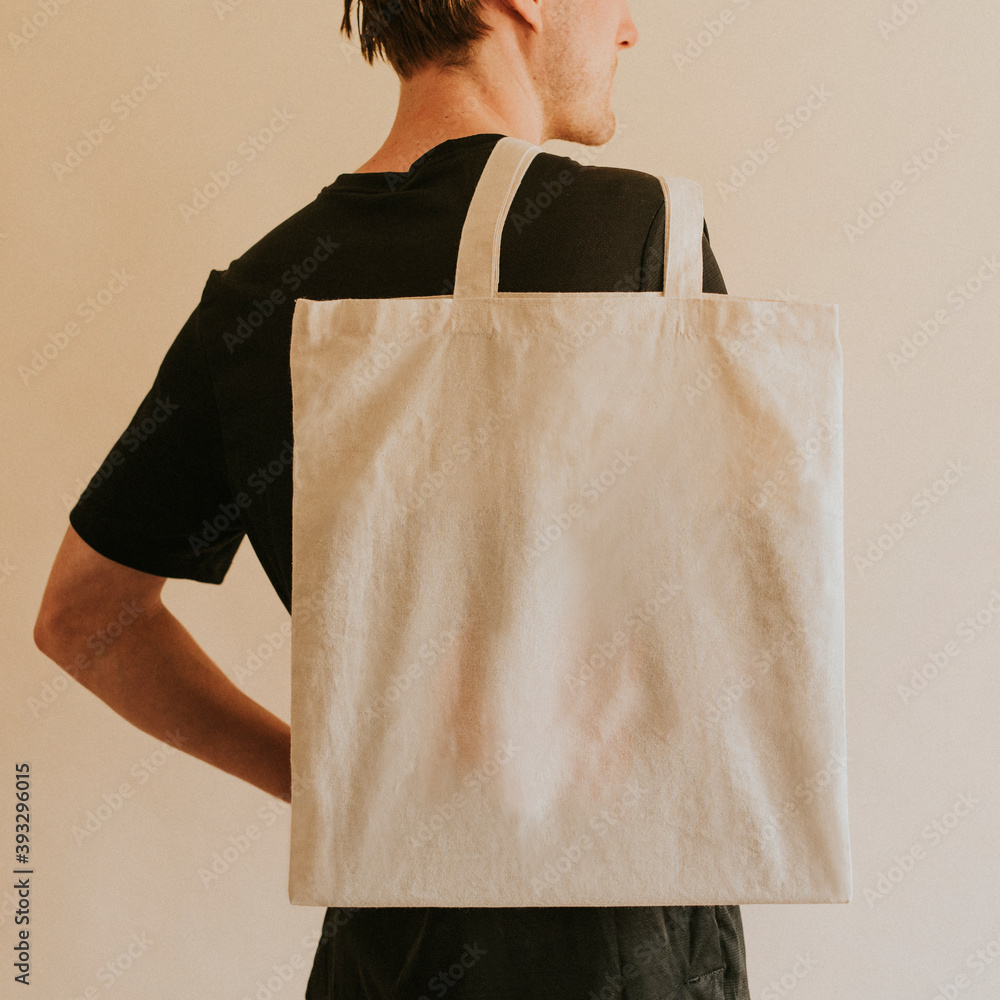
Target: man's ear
<point x="528" y="11"/>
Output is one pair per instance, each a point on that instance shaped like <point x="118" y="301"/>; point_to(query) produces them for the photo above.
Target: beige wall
<point x="881" y="100"/>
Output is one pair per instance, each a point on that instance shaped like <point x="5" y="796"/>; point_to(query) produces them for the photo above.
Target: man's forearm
<point x="155" y="675"/>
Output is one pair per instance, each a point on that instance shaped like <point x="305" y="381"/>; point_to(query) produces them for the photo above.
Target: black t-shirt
<point x="206" y="459"/>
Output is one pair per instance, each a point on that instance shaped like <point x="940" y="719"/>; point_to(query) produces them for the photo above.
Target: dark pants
<point x="548" y="953"/>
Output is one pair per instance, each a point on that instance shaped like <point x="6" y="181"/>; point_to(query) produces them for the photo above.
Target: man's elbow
<point x="88" y="601"/>
<point x="54" y="635"/>
<point x="41" y="633"/>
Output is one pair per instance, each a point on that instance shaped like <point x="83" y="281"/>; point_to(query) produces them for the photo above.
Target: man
<point x="213" y="463"/>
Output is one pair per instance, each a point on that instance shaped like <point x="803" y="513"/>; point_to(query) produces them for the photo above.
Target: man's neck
<point x="435" y="106"/>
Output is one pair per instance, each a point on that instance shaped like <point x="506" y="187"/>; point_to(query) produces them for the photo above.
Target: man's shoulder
<point x="283" y="256"/>
<point x="246" y="306"/>
<point x="281" y="260"/>
<point x="614" y="211"/>
<point x="611" y="187"/>
<point x="575" y="226"/>
<point x="620" y="209"/>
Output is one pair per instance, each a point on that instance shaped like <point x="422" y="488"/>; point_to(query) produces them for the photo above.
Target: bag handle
<point x="682" y="232"/>
<point x="478" y="272"/>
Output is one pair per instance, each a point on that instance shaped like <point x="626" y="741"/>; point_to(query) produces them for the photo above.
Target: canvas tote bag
<point x="568" y="590"/>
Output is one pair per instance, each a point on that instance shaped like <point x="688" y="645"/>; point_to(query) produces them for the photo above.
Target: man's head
<point x="554" y="59"/>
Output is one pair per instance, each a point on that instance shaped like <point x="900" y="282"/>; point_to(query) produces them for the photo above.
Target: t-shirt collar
<point x="380" y="180"/>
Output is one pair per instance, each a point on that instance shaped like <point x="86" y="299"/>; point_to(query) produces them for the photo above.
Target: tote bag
<point x="567" y="590"/>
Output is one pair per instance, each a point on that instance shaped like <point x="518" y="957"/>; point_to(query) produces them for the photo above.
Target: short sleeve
<point x="160" y="502"/>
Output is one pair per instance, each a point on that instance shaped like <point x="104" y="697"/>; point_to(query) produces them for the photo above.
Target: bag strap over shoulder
<point x="478" y="272"/>
<point x="683" y="268"/>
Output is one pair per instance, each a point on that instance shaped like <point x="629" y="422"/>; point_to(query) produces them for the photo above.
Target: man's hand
<point x="104" y="623"/>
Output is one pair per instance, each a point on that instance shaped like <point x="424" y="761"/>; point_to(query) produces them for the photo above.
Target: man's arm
<point x="105" y="624"/>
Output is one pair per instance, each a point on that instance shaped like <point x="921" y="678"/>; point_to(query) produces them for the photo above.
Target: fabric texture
<point x="157" y="498"/>
<point x="612" y="953"/>
<point x="551" y="651"/>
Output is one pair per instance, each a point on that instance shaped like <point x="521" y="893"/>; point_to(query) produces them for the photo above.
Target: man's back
<point x="219" y="468"/>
